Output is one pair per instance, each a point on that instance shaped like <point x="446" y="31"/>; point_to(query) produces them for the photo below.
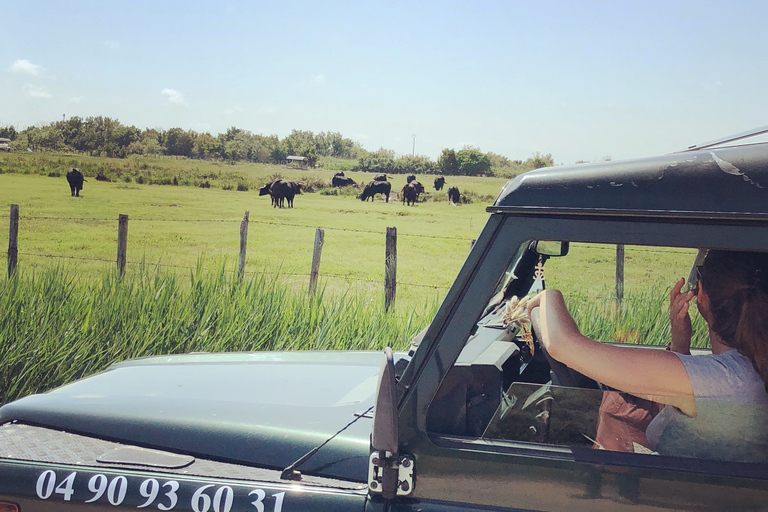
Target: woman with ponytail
<point x="716" y="404"/>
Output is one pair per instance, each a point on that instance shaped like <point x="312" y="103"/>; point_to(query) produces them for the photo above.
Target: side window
<point x="505" y="387"/>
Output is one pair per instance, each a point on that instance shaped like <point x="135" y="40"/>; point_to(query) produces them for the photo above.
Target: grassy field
<point x="176" y="225"/>
<point x="67" y="315"/>
<point x="58" y="327"/>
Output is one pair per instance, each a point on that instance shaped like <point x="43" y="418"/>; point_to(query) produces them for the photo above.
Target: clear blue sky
<point x="580" y="80"/>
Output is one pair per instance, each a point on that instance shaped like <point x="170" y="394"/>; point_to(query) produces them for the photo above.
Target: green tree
<point x="178" y="142"/>
<point x="8" y="132"/>
<point x="539" y="160"/>
<point x="472" y="162"/>
<point x="447" y="163"/>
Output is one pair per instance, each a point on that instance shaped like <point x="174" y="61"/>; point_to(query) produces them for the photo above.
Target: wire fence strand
<point x="250" y="221"/>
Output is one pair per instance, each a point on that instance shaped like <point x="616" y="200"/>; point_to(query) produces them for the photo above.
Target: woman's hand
<point x="558" y="329"/>
<point x="679" y="319"/>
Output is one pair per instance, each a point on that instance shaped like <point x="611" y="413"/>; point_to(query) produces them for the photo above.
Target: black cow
<point x="267" y="189"/>
<point x="340" y="173"/>
<point x="439" y="182"/>
<point x="293" y="189"/>
<point x="279" y="190"/>
<point x="453" y="195"/>
<point x="380" y="177"/>
<point x="75" y="179"/>
<point x="411" y="192"/>
<point x="341" y="181"/>
<point x="410" y="178"/>
<point x="376" y="187"/>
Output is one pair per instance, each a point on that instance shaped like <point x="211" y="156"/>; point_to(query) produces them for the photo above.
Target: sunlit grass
<point x="58" y="326"/>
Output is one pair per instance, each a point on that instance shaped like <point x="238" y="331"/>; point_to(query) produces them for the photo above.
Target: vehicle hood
<point x="265" y="409"/>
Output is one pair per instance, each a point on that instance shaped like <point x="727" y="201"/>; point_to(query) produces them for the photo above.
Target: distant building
<point x="297" y="161"/>
<point x="4" y="144"/>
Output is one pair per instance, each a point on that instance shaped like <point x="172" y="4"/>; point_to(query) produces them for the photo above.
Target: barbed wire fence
<point x="121" y="261"/>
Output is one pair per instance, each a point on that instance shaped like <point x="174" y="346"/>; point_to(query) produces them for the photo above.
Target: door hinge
<point x="390" y="476"/>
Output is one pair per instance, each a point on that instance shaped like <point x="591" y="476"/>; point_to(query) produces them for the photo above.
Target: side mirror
<point x="551" y="248"/>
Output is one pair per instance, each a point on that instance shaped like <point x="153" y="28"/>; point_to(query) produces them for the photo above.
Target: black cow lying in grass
<point x="453" y="195"/>
<point x="410" y="178"/>
<point x="75" y="179"/>
<point x="411" y="192"/>
<point x="341" y="181"/>
<point x="380" y="177"/>
<point x="376" y="187"/>
<point x="439" y="182"/>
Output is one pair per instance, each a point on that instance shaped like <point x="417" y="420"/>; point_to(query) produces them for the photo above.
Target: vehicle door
<point x="526" y="443"/>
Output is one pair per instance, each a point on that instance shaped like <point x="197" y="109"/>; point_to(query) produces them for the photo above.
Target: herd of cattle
<point x="380" y="185"/>
<point x="282" y="191"/>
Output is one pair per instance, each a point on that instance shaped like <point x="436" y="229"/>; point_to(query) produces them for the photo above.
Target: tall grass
<point x="58" y="327"/>
<point x="643" y="318"/>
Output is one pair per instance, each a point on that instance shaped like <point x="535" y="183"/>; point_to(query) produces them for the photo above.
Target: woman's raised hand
<point x="679" y="319"/>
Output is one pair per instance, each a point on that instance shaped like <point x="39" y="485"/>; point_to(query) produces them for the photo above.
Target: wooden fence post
<point x="619" y="274"/>
<point x="319" y="238"/>
<point x="243" y="244"/>
<point x="122" y="242"/>
<point x="13" y="240"/>
<point x="390" y="269"/>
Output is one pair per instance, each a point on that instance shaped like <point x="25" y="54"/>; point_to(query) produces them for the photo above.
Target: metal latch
<point x="377" y="470"/>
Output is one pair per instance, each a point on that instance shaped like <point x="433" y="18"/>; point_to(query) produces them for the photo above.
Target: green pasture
<point x="174" y="226"/>
<point x="67" y="314"/>
<point x="177" y="226"/>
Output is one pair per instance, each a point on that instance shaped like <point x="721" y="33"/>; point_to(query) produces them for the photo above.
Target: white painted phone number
<point x="206" y="498"/>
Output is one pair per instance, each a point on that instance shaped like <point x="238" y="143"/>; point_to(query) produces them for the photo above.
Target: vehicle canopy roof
<point x="714" y="183"/>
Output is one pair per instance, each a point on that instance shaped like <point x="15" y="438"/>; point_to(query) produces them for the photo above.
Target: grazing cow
<point x="453" y="195"/>
<point x="410" y="178"/>
<point x="376" y="187"/>
<point x="380" y="177"/>
<point x="439" y="182"/>
<point x="75" y="179"/>
<point x="411" y="192"/>
<point x="341" y="181"/>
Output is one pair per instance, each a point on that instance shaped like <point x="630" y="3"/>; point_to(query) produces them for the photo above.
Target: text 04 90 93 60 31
<point x="205" y="498"/>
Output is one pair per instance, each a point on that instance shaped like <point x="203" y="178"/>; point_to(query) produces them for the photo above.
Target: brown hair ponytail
<point x="737" y="285"/>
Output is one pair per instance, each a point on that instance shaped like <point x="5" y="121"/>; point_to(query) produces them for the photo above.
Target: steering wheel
<point x="562" y="375"/>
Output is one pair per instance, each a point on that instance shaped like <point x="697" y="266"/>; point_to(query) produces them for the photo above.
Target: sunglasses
<point x="693" y="280"/>
<point x="692" y="283"/>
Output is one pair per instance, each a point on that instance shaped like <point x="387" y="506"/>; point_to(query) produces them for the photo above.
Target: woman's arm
<point x="657" y="375"/>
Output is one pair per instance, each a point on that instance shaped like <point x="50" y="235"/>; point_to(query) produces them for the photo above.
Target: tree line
<point x="107" y="137"/>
